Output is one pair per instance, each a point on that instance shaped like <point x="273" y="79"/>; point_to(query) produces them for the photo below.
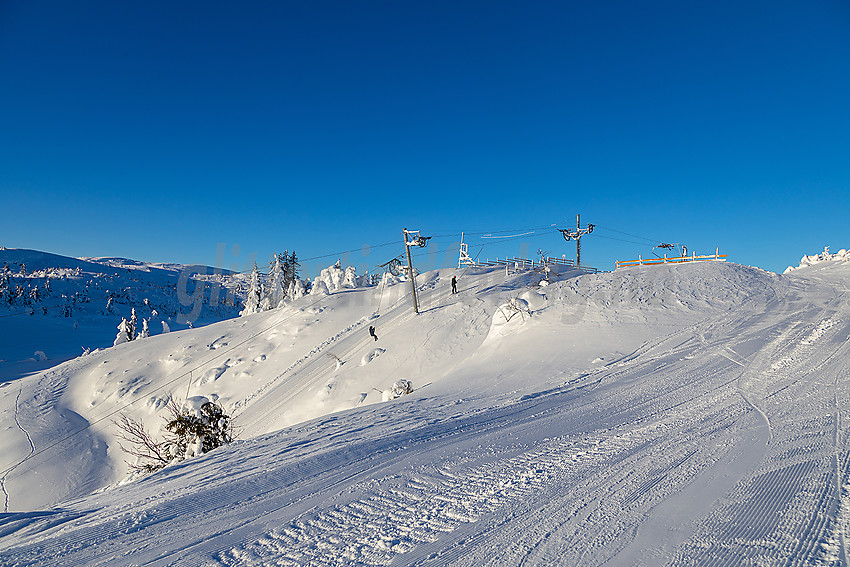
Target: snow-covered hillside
<point x="52" y="307"/>
<point x="679" y="414"/>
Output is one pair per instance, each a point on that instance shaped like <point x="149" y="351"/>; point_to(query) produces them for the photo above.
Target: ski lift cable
<point x="508" y="236"/>
<point x="456" y="235"/>
<point x="507" y="239"/>
<point x="622" y="240"/>
<point x="628" y="234"/>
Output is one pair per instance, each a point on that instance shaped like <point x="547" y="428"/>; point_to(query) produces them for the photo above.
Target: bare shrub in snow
<point x="193" y="428"/>
<point x="515" y="306"/>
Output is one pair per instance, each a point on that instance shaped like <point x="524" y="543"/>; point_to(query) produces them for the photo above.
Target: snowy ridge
<point x="842" y="256"/>
<point x="686" y="414"/>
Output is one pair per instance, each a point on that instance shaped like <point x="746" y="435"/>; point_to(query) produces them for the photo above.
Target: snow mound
<point x="371" y="355"/>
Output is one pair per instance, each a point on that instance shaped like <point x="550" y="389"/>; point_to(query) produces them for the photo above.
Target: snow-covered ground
<point x="680" y="414"/>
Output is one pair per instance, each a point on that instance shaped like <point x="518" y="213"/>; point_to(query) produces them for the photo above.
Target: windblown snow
<point x="686" y="414"/>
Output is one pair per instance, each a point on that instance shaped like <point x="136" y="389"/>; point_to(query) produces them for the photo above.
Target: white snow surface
<point x="687" y="414"/>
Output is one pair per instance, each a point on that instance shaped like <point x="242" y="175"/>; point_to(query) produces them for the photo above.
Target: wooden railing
<point x="716" y="257"/>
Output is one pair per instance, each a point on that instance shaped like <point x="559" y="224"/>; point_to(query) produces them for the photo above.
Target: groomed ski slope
<point x="683" y="415"/>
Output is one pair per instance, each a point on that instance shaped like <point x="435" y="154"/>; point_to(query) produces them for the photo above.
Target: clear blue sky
<point x="157" y="130"/>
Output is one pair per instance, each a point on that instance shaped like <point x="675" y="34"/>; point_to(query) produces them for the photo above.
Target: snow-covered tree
<point x="199" y="427"/>
<point x="297" y="288"/>
<point x="195" y="427"/>
<point x="399" y="389"/>
<point x="290" y="269"/>
<point x="123" y="335"/>
<point x="350" y="278"/>
<point x="145" y="330"/>
<point x="110" y="307"/>
<point x="255" y="294"/>
<point x="132" y="324"/>
<point x="275" y="292"/>
<point x="5" y="285"/>
<point x="165" y="327"/>
<point x="319" y="287"/>
<point x="332" y="276"/>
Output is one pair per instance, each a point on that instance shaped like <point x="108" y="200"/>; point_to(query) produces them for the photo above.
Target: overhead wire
<point x="622" y="240"/>
<point x="627" y="233"/>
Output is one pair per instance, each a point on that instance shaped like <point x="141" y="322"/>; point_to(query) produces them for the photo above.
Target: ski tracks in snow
<point x="31" y="451"/>
<point x="398" y="514"/>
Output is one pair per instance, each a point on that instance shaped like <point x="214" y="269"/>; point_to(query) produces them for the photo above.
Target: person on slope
<point x="454" y="284"/>
<point x="372" y="332"/>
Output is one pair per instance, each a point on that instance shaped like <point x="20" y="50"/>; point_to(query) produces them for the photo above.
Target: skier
<point x="454" y="284"/>
<point x="372" y="332"/>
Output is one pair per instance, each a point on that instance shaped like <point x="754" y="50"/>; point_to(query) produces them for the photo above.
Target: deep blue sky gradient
<point x="159" y="130"/>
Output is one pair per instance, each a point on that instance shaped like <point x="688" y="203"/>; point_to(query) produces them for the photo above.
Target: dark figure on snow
<point x="372" y="332"/>
<point x="454" y="284"/>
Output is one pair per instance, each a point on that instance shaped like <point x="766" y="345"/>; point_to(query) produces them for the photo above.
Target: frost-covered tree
<point x="132" y="324"/>
<point x="193" y="428"/>
<point x="255" y="294"/>
<point x="146" y="332"/>
<point x="275" y="292"/>
<point x="350" y="278"/>
<point x="319" y="287"/>
<point x="198" y="428"/>
<point x="332" y="276"/>
<point x="290" y="268"/>
<point x="296" y="289"/>
<point x="110" y="307"/>
<point x="5" y="285"/>
<point x="123" y="335"/>
<point x="20" y="294"/>
<point x="165" y="327"/>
